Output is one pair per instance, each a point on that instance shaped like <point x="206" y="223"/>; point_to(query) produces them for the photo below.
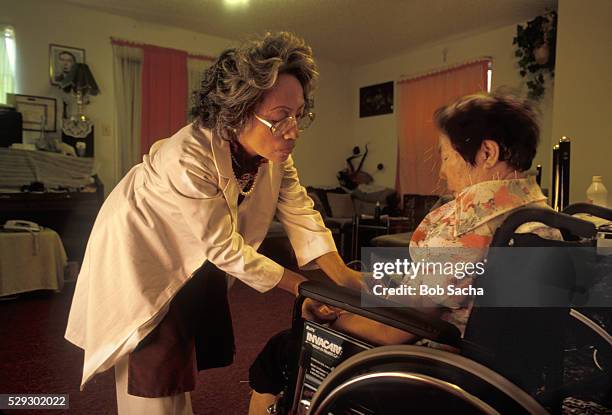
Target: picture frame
<point x="376" y="99"/>
<point x="33" y="109"/>
<point x="61" y="60"/>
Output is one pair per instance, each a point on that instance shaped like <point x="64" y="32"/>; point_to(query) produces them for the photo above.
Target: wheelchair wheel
<point x="410" y="379"/>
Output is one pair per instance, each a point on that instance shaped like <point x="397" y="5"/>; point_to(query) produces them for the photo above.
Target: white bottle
<point x="597" y="193"/>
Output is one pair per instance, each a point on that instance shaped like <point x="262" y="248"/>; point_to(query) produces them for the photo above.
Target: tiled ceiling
<point x="342" y="31"/>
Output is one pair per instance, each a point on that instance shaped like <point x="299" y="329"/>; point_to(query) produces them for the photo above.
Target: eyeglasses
<point x="285" y="125"/>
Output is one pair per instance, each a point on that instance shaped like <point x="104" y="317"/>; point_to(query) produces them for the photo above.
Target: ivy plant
<point x="535" y="49"/>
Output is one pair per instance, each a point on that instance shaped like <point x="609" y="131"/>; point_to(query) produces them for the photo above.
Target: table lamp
<point x="82" y="83"/>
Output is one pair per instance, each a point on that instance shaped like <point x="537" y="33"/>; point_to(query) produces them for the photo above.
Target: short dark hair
<point x="235" y="83"/>
<point x="509" y="121"/>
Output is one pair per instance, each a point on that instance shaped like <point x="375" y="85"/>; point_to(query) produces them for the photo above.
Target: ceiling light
<point x="236" y="3"/>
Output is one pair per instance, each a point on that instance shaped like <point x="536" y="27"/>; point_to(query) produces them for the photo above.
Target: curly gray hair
<point x="235" y="83"/>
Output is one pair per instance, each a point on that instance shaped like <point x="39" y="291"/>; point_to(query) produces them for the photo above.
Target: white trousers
<point x="135" y="405"/>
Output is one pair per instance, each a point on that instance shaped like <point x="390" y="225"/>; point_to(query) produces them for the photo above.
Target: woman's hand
<point x="318" y="312"/>
<point x="352" y="279"/>
<point x="349" y="278"/>
<point x="336" y="269"/>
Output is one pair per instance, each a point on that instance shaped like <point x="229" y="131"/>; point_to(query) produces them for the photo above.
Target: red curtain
<point x="164" y="94"/>
<point x="418" y="158"/>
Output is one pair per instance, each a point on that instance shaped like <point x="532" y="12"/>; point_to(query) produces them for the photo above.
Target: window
<point x="7" y="62"/>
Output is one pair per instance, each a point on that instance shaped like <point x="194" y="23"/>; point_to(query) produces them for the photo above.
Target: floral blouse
<point x="461" y="231"/>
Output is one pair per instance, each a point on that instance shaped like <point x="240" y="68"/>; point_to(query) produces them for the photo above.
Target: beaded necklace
<point x="245" y="180"/>
<point x="245" y="173"/>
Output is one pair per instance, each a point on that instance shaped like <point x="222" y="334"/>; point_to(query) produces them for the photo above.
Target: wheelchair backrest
<point x="517" y="327"/>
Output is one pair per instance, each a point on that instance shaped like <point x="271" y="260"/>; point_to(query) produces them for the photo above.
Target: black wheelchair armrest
<point x="591" y="209"/>
<point x="564" y="222"/>
<point x="402" y="318"/>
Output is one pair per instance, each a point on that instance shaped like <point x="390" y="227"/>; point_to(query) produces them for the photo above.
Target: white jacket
<point x="166" y="217"/>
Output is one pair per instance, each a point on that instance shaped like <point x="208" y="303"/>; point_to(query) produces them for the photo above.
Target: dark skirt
<point x="194" y="335"/>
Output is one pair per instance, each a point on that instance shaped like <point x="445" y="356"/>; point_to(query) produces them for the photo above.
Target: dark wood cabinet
<point x="70" y="214"/>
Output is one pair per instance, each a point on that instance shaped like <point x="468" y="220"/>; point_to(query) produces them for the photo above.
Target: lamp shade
<point x="80" y="79"/>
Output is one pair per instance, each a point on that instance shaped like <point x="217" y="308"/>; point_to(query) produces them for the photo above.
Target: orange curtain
<point x="418" y="158"/>
<point x="164" y="94"/>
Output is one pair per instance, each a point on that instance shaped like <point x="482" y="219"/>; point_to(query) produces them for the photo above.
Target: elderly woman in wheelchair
<point x="486" y="144"/>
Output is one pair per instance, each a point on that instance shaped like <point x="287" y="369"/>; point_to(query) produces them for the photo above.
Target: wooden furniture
<point x="71" y="214"/>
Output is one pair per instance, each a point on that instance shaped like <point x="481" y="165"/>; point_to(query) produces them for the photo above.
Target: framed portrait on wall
<point x="35" y="111"/>
<point x="376" y="99"/>
<point x="61" y="60"/>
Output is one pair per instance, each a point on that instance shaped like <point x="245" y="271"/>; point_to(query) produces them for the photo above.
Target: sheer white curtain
<point x="127" y="72"/>
<point x="195" y="69"/>
<point x="7" y="62"/>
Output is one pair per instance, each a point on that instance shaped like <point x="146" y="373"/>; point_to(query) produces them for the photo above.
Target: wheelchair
<point x="510" y="358"/>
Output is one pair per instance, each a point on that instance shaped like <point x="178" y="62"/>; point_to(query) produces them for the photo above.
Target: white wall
<point x="381" y="130"/>
<point x="321" y="150"/>
<point x="583" y="91"/>
<point x="38" y="23"/>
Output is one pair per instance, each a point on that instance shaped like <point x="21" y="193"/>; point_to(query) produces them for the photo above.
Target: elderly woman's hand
<point x="318" y="312"/>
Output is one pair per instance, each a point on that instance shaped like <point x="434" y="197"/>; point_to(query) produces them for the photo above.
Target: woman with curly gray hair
<point x="151" y="295"/>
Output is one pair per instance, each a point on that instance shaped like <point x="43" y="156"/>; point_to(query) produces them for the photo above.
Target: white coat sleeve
<point x="195" y="186"/>
<point x="295" y="210"/>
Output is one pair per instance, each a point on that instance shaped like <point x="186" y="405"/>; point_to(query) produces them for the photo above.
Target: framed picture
<point x="34" y="111"/>
<point x="376" y="99"/>
<point x="61" y="60"/>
